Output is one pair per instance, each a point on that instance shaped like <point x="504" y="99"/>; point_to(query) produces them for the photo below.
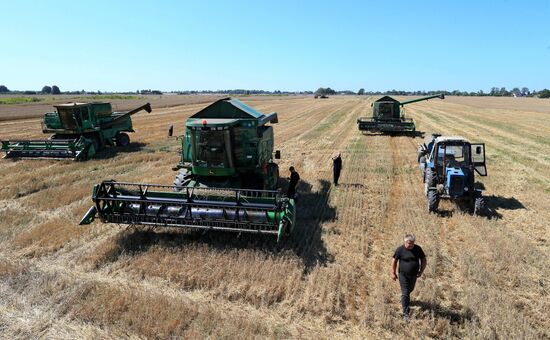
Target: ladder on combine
<point x="222" y="209"/>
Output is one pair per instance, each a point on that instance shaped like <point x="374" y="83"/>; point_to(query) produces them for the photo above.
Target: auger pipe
<point x="146" y="107"/>
<point x="440" y="96"/>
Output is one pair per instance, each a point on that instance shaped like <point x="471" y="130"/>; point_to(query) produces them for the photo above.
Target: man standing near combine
<point x="293" y="181"/>
<point x="412" y="262"/>
<point x="336" y="167"/>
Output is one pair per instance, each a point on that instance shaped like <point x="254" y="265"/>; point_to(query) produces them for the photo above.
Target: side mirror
<point x="278" y="154"/>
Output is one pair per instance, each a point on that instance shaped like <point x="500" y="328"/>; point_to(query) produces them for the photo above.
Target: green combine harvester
<point x="227" y="180"/>
<point x="388" y="116"/>
<point x="78" y="131"/>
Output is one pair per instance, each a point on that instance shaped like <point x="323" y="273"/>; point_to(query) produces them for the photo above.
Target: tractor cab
<point x="448" y="165"/>
<point x="457" y="152"/>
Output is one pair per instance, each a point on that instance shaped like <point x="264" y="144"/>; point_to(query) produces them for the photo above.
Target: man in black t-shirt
<point x="336" y="167"/>
<point x="412" y="262"/>
<point x="293" y="181"/>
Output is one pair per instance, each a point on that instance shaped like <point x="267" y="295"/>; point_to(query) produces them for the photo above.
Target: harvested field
<point x="487" y="277"/>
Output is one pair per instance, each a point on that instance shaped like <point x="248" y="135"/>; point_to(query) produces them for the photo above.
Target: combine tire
<point x="433" y="201"/>
<point x="182" y="179"/>
<point x="479" y="206"/>
<point x="122" y="139"/>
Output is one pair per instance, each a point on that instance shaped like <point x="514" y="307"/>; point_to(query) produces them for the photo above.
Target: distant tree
<point x="516" y="92"/>
<point x="55" y="90"/>
<point x="4" y="89"/>
<point x="544" y="93"/>
<point x="503" y="92"/>
<point x="46" y="89"/>
<point x="361" y="92"/>
<point x="524" y="91"/>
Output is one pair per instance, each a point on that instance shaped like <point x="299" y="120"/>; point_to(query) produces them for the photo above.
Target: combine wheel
<point x="479" y="206"/>
<point x="433" y="201"/>
<point x="182" y="179"/>
<point x="122" y="139"/>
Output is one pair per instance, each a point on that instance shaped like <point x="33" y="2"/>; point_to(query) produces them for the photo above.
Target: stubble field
<point x="487" y="277"/>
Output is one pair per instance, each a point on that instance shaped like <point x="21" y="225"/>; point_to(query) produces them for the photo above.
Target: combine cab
<point x="227" y="179"/>
<point x="388" y="116"/>
<point x="78" y="131"/>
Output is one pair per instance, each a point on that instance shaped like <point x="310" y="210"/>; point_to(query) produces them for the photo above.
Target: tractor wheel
<point x="122" y="139"/>
<point x="429" y="177"/>
<point x="479" y="206"/>
<point x="433" y="201"/>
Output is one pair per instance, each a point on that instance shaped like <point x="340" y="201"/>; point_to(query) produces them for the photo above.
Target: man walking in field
<point x="412" y="262"/>
<point x="336" y="167"/>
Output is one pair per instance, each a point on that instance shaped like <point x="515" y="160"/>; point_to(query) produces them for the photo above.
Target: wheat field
<point x="487" y="277"/>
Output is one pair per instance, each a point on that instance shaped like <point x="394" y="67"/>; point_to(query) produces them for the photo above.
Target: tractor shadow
<point x="455" y="317"/>
<point x="305" y="242"/>
<point x="112" y="151"/>
<point x="495" y="203"/>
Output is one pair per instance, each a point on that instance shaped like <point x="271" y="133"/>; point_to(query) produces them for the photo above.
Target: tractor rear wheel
<point x="122" y="139"/>
<point x="479" y="206"/>
<point x="433" y="201"/>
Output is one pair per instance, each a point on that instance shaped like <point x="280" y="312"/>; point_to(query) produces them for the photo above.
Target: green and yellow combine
<point x="227" y="179"/>
<point x="388" y="116"/>
<point x="77" y="131"/>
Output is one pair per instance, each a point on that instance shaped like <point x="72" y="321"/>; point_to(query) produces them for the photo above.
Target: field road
<point x="487" y="277"/>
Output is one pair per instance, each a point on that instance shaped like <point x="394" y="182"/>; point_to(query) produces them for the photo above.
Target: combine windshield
<point x="210" y="149"/>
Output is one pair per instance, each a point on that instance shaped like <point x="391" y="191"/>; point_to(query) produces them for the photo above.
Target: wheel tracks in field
<point x="76" y="276"/>
<point x="500" y="136"/>
<point x="445" y="129"/>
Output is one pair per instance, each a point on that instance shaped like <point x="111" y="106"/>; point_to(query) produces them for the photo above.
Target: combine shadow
<point x="305" y="241"/>
<point x="442" y="312"/>
<point x="112" y="151"/>
<point x="495" y="203"/>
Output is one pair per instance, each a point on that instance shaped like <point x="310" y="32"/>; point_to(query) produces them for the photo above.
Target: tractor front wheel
<point x="122" y="139"/>
<point x="433" y="201"/>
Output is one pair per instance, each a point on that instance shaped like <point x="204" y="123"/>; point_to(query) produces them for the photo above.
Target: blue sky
<point x="275" y="45"/>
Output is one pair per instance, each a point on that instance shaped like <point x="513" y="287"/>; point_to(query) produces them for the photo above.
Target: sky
<point x="275" y="45"/>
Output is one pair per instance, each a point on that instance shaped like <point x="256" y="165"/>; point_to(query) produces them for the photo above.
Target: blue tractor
<point x="448" y="165"/>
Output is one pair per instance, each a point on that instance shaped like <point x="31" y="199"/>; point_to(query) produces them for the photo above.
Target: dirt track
<point x="486" y="277"/>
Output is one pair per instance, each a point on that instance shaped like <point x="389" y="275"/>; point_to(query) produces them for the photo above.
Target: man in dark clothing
<point x="336" y="167"/>
<point x="294" y="178"/>
<point x="412" y="262"/>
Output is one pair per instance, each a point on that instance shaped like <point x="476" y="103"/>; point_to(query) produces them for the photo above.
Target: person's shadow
<point x="312" y="210"/>
<point x="456" y="317"/>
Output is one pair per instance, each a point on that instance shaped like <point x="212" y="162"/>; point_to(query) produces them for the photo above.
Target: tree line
<point x="494" y="92"/>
